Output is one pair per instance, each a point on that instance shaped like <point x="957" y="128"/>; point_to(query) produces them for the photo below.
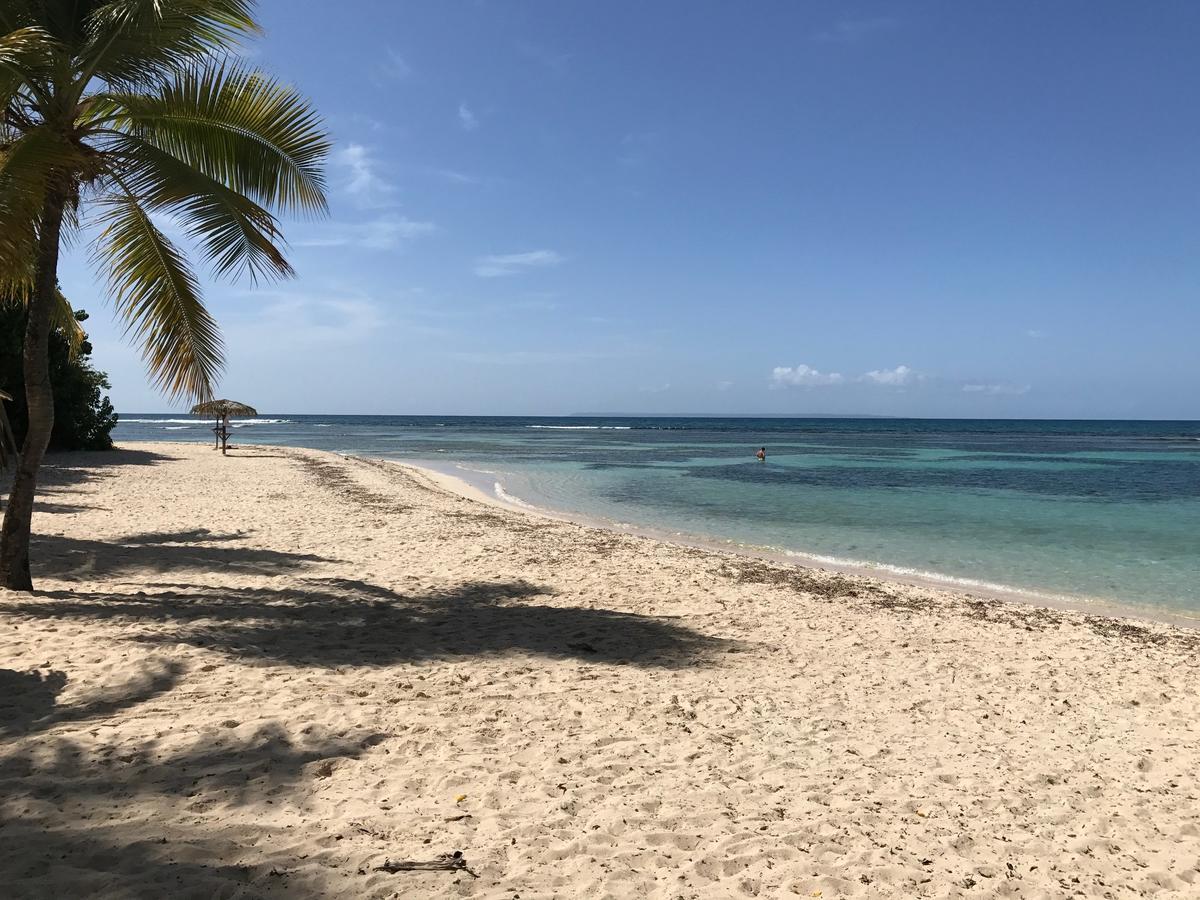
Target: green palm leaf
<point x="25" y="57"/>
<point x="238" y="126"/>
<point x="63" y="318"/>
<point x="159" y="298"/>
<point x="237" y="235"/>
<point x="128" y="40"/>
<point x="27" y="166"/>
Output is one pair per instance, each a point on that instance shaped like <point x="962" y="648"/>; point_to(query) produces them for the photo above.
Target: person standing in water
<point x="761" y="454"/>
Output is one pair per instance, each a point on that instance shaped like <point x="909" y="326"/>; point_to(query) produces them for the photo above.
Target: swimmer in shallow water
<point x="761" y="455"/>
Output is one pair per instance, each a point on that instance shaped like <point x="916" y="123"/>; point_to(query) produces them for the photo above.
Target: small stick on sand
<point x="449" y="862"/>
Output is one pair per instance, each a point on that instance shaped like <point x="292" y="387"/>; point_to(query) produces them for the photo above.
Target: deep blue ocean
<point x="1094" y="510"/>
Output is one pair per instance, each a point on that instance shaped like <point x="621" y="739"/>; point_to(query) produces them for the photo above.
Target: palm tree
<point x="118" y="114"/>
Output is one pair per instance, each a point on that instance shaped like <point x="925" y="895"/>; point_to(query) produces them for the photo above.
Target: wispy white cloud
<point x="724" y="385"/>
<point x="466" y="118"/>
<point x="456" y="177"/>
<point x="394" y="65"/>
<point x="333" y="315"/>
<point x="655" y="389"/>
<point x="368" y="122"/>
<point x="531" y="357"/>
<point x="636" y="148"/>
<point x="294" y="318"/>
<point x="383" y="233"/>
<point x="532" y="303"/>
<point x="802" y="376"/>
<point x="553" y="60"/>
<point x="851" y="31"/>
<point x="513" y="263"/>
<point x="1035" y="333"/>
<point x="363" y="181"/>
<point x="897" y="377"/>
<point x="997" y="390"/>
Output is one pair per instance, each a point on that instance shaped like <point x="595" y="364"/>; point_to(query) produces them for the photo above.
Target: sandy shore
<point x="271" y="674"/>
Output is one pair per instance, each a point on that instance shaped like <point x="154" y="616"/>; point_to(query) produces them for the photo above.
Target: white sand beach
<point x="275" y="674"/>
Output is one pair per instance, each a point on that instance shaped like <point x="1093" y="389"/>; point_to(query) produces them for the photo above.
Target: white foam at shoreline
<point x="924" y="575"/>
<point x="583" y="427"/>
<point x="203" y="421"/>
<point x="504" y="495"/>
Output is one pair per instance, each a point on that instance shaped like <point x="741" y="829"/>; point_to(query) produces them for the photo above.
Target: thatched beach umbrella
<point x="8" y="444"/>
<point x="219" y="409"/>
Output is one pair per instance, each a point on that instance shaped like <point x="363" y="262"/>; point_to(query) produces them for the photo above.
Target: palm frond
<point x="240" y="127"/>
<point x="235" y="233"/>
<point x="15" y="14"/>
<point x="25" y="55"/>
<point x="131" y="40"/>
<point x="62" y="317"/>
<point x="158" y="296"/>
<point x="27" y="166"/>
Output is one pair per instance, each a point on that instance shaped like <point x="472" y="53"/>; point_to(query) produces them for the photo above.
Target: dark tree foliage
<point x="83" y="415"/>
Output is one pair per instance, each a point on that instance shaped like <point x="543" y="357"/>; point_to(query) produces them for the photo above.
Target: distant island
<point x="629" y="415"/>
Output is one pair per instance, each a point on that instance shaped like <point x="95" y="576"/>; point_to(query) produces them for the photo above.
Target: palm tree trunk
<point x="18" y="516"/>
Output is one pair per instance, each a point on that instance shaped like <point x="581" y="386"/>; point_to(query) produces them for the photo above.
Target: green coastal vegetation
<point x="83" y="415"/>
<point x="117" y="114"/>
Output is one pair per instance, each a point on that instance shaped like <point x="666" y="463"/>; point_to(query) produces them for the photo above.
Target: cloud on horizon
<point x="806" y="376"/>
<point x="997" y="390"/>
<point x="897" y="377"/>
<point x="802" y="376"/>
<point x="514" y="263"/>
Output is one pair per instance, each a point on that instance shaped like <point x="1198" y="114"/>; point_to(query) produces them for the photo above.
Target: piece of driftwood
<point x="446" y="862"/>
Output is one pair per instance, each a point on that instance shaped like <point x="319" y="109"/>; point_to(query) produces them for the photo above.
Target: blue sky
<point x="934" y="208"/>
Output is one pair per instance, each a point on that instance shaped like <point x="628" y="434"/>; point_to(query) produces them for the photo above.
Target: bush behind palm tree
<point x="83" y="415"/>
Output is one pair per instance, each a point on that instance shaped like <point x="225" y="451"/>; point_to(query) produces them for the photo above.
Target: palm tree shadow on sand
<point x="76" y="467"/>
<point x="326" y="622"/>
<point x="30" y="701"/>
<point x="198" y="551"/>
<point x="57" y="841"/>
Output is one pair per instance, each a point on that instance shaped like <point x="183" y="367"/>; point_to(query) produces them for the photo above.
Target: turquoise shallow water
<point x="1105" y="510"/>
